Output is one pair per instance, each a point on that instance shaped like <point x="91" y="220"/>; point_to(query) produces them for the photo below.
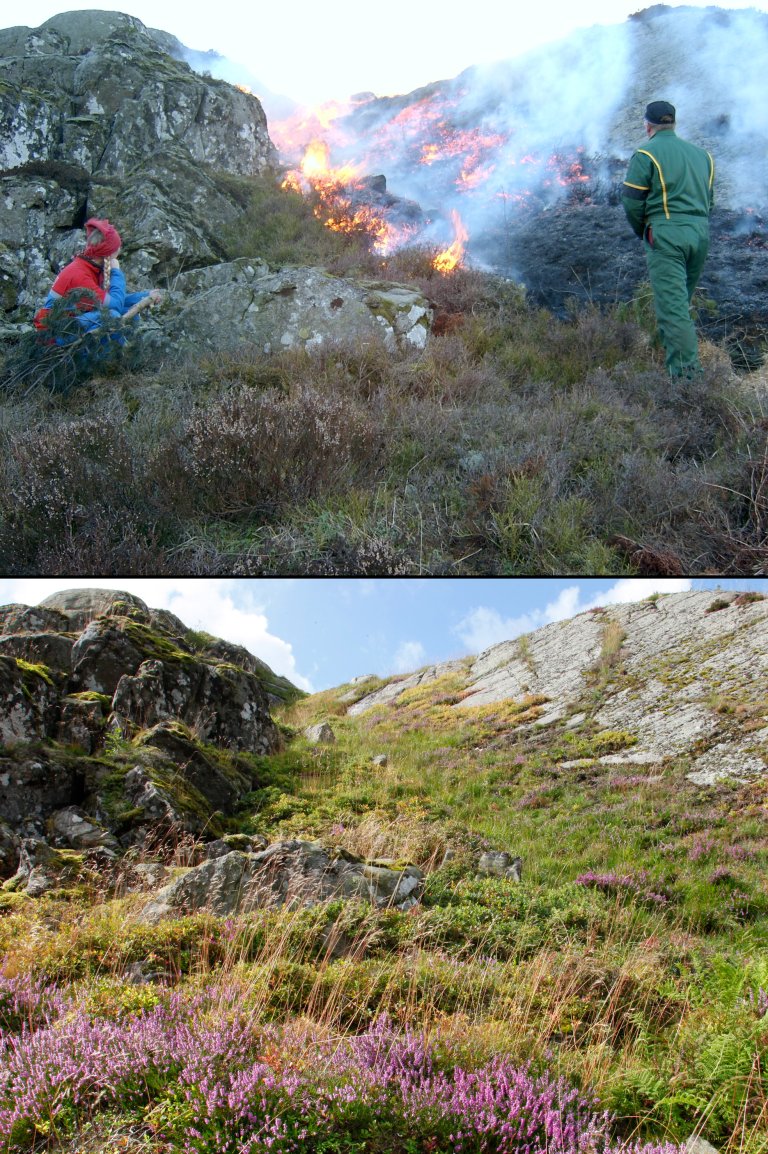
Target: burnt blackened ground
<point x="587" y="253"/>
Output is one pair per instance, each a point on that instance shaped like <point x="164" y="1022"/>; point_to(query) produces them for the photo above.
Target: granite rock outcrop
<point x="286" y="873"/>
<point x="116" y="719"/>
<point x="680" y="676"/>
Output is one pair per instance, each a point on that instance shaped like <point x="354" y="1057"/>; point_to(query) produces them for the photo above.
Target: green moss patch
<point x="153" y="645"/>
<point x="103" y="699"/>
<point x="30" y="669"/>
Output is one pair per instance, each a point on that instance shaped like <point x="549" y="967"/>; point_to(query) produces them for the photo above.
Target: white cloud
<point x="201" y="604"/>
<point x="483" y="627"/>
<point x="636" y="588"/>
<point x="410" y="655"/>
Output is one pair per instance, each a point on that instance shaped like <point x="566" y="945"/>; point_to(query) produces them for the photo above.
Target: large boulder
<point x="42" y="203"/>
<point x="292" y="308"/>
<point x="278" y="689"/>
<point x="219" y="790"/>
<point x="224" y="704"/>
<point x="96" y="89"/>
<point x="320" y="734"/>
<point x="392" y="690"/>
<point x="79" y="607"/>
<point x="293" y="873"/>
<point x="71" y="827"/>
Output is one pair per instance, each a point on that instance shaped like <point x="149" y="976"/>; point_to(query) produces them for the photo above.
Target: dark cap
<point x="660" y="112"/>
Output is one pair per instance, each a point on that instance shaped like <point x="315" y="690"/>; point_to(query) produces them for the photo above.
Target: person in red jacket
<point x="96" y="281"/>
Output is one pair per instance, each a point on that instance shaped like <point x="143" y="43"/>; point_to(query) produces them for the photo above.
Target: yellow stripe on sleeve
<point x="661" y="178"/>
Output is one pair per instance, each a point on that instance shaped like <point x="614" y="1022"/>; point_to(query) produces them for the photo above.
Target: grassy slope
<point x="632" y="959"/>
<point x="516" y="442"/>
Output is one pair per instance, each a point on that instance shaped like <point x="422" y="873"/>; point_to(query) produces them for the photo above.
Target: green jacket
<point x="668" y="177"/>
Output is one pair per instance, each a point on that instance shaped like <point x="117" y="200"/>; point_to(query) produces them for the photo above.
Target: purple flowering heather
<point x="638" y="884"/>
<point x="223" y="1084"/>
<point x="25" y="999"/>
<point x="757" y="1001"/>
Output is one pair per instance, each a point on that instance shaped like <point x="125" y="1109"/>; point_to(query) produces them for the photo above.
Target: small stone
<point x="320" y="734"/>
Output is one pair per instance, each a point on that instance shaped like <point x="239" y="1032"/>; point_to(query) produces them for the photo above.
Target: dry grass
<point x="513" y="443"/>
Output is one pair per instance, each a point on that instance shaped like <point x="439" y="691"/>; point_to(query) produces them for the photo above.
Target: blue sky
<point x="321" y="632"/>
<point x="314" y="52"/>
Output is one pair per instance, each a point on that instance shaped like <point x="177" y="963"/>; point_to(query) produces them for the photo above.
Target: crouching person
<point x="94" y="281"/>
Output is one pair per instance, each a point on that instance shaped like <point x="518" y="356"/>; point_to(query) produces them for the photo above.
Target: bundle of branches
<point x="64" y="354"/>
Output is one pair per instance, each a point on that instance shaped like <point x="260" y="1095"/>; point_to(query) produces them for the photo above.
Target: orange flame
<point x="295" y="133"/>
<point x="434" y="133"/>
<point x="333" y="186"/>
<point x="451" y="257"/>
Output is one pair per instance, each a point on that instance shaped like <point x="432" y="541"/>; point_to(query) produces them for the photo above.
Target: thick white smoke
<point x="532" y="129"/>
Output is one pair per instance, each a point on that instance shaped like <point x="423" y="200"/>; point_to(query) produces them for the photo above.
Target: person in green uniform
<point x="668" y="194"/>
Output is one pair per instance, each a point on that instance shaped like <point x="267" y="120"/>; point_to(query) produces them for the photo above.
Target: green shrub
<point x="717" y="604"/>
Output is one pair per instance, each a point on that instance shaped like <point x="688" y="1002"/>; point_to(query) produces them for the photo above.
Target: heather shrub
<point x="25" y="1002"/>
<point x="638" y="886"/>
<point x="278" y="225"/>
<point x="208" y="1078"/>
<point x="513" y="442"/>
<point x="255" y="452"/>
<point x="61" y="479"/>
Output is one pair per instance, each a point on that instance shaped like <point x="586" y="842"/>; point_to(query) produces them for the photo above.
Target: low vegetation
<point x="616" y="999"/>
<point x="516" y="442"/>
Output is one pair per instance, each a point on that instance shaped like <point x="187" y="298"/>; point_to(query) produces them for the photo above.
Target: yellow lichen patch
<point x="38" y="670"/>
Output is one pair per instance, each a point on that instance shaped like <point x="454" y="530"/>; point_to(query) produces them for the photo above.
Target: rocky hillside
<point x="671" y="682"/>
<point x="676" y="677"/>
<point x="474" y="897"/>
<point x="86" y="671"/>
<point x="97" y="118"/>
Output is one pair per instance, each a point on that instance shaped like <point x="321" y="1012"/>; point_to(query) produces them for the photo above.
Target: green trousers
<point x="675" y="259"/>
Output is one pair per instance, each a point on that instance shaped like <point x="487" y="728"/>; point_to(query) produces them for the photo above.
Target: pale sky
<point x="322" y="632"/>
<point x="313" y="52"/>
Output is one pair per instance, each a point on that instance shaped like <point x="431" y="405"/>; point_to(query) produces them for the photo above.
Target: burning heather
<point x="428" y="151"/>
<point x="464" y="164"/>
<point x="347" y="201"/>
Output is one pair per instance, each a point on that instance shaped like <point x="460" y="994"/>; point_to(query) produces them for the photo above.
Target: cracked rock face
<point x="96" y="119"/>
<point x="692" y="684"/>
<point x="293" y="873"/>
<point x="88" y="666"/>
<point x="293" y="308"/>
